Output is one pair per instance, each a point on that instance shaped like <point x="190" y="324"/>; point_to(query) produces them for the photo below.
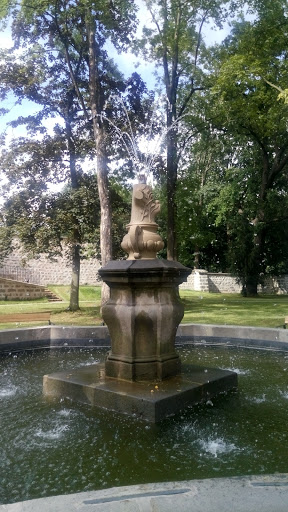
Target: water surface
<point x="58" y="448"/>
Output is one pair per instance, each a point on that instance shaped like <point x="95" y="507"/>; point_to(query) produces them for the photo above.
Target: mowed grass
<point x="89" y="313"/>
<point x="204" y="308"/>
<point x="233" y="309"/>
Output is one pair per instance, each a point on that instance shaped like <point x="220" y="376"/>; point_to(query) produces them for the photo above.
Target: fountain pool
<point x="60" y="448"/>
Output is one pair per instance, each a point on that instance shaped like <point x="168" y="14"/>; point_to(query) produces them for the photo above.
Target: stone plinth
<point x="150" y="401"/>
<point x="142" y="315"/>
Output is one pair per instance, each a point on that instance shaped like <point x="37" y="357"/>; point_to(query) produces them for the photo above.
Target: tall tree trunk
<point x="196" y="257"/>
<point x="171" y="194"/>
<point x="254" y="266"/>
<point x="171" y="86"/>
<point x="252" y="278"/>
<point x="76" y="242"/>
<point x="75" y="279"/>
<point x="101" y="158"/>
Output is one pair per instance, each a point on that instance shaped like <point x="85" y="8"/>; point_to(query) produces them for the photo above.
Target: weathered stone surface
<point x="56" y="336"/>
<point x="47" y="271"/>
<point x="218" y="282"/>
<point x="142" y="315"/>
<point x="151" y="401"/>
<point x="142" y="240"/>
<point x="241" y="494"/>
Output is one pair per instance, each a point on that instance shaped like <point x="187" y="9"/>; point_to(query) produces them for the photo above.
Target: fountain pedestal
<point x="141" y="376"/>
<point x="142" y="315"/>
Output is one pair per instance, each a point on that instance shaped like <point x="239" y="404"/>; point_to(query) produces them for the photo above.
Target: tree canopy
<point x="222" y="165"/>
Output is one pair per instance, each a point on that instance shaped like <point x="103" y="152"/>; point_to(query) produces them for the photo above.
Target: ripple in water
<point x="238" y="371"/>
<point x="217" y="446"/>
<point x="259" y="399"/>
<point x="8" y="391"/>
<point x="65" y="412"/>
<point x="53" y="434"/>
<point x="90" y="362"/>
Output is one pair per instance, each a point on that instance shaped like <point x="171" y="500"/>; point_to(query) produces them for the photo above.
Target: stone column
<point x="142" y="315"/>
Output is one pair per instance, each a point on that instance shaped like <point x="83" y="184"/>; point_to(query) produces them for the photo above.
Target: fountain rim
<point x="60" y="336"/>
<point x="265" y="492"/>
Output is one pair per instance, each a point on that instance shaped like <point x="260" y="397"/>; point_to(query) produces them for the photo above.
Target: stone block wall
<point x="223" y="283"/>
<point x="13" y="290"/>
<point x="217" y="282"/>
<point x="198" y="280"/>
<point x="44" y="271"/>
<point x="278" y="285"/>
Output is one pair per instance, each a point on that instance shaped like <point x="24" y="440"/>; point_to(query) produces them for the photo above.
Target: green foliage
<point x="5" y="8"/>
<point x="253" y="121"/>
<point x="6" y="242"/>
<point x="202" y="240"/>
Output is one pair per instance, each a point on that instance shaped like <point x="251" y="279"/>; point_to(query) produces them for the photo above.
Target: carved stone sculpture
<point x="142" y="240"/>
<point x="144" y="308"/>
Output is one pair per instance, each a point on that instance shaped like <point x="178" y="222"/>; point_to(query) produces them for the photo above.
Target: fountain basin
<point x="56" y="448"/>
<point x="55" y="336"/>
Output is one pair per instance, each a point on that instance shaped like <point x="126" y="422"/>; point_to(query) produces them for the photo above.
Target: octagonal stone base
<point x="138" y="370"/>
<point x="149" y="401"/>
<point x="142" y="315"/>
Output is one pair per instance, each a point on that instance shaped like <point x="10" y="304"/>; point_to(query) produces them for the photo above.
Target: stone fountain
<point x="142" y="374"/>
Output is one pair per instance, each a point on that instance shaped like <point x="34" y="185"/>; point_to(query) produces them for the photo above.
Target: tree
<point x="202" y="240"/>
<point x="245" y="105"/>
<point x="41" y="158"/>
<point x="43" y="220"/>
<point x="78" y="31"/>
<point x="176" y="45"/>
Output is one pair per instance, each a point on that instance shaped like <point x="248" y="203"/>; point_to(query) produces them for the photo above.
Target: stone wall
<point x="223" y="283"/>
<point x="217" y="282"/>
<point x="12" y="290"/>
<point x="277" y="285"/>
<point x="43" y="271"/>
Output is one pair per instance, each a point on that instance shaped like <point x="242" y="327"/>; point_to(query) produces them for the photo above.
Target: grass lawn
<point x="233" y="309"/>
<point x="204" y="308"/>
<point x="89" y="313"/>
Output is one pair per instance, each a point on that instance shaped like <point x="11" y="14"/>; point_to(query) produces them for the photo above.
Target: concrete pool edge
<point x="91" y="336"/>
<point x="264" y="492"/>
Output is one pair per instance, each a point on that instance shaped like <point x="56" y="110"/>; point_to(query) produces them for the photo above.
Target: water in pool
<point x="49" y="448"/>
